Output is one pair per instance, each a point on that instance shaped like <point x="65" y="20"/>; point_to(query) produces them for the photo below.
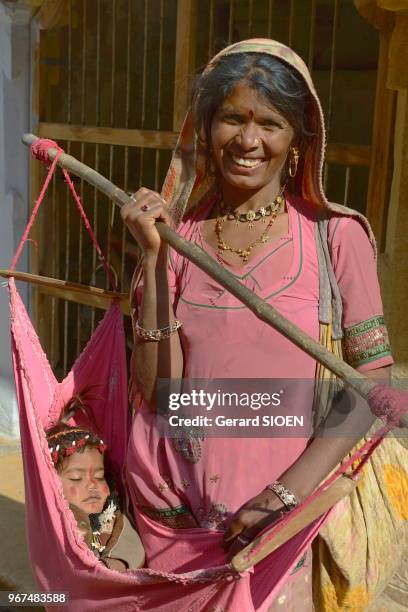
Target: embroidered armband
<point x="366" y="342"/>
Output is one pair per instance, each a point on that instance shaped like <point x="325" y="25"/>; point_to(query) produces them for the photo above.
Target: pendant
<point x="250" y="216"/>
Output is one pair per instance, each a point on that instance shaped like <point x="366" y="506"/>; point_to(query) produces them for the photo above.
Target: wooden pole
<point x="320" y="505"/>
<point x="75" y="292"/>
<point x="264" y="311"/>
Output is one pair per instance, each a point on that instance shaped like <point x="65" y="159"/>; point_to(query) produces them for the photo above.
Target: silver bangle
<point x="155" y="335"/>
<point x="288" y="498"/>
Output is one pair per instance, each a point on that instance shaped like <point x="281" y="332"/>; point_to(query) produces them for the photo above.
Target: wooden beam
<point x="375" y="15"/>
<point x="393" y="5"/>
<point x="381" y="159"/>
<point x="185" y="57"/>
<point x="73" y="292"/>
<point x="382" y="151"/>
<point x="348" y="155"/>
<point x="95" y="301"/>
<point x="147" y="139"/>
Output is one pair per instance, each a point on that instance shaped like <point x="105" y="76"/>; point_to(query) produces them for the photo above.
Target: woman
<point x="249" y="193"/>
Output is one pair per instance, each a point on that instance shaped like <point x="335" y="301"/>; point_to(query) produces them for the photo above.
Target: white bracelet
<point x="155" y="335"/>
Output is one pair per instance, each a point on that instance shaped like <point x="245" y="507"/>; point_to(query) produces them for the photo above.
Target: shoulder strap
<point x="330" y="302"/>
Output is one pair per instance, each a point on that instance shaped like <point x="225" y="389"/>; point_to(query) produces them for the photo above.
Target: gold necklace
<point x="252" y="215"/>
<point x="244" y="253"/>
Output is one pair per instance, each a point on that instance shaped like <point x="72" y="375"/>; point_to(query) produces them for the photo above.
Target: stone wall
<point x="14" y="177"/>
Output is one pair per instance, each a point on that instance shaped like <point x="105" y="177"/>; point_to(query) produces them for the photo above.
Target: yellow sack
<point x="364" y="542"/>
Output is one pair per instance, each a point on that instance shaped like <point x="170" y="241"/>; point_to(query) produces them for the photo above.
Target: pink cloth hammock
<point x="60" y="559"/>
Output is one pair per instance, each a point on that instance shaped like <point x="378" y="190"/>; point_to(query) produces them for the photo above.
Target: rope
<point x="40" y="197"/>
<point x="39" y="150"/>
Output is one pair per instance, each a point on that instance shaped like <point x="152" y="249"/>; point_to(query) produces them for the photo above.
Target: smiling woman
<point x="250" y="110"/>
<point x="245" y="185"/>
<point x="250" y="141"/>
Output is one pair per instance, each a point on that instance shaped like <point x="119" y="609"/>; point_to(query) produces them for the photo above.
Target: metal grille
<point x="106" y="93"/>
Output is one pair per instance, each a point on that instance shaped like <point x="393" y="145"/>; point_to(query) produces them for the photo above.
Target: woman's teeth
<point x="246" y="162"/>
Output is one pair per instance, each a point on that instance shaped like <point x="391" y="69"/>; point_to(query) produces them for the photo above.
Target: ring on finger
<point x="145" y="207"/>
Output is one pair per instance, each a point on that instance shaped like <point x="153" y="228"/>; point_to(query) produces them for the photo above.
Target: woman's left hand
<point x="260" y="511"/>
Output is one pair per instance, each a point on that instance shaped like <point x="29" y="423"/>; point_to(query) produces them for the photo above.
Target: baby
<point x="78" y="456"/>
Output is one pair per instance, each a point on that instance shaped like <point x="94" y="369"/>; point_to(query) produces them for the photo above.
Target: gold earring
<point x="293" y="161"/>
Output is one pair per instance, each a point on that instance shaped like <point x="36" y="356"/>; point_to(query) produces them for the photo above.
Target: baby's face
<point x="83" y="480"/>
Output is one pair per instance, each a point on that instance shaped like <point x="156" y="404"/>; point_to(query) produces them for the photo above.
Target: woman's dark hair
<point x="280" y="84"/>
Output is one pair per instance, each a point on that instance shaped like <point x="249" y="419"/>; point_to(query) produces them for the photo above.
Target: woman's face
<point x="83" y="480"/>
<point x="250" y="141"/>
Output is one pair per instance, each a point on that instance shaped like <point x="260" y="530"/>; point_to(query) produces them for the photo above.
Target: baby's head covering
<point x="68" y="436"/>
<point x="69" y="440"/>
<point x="186" y="181"/>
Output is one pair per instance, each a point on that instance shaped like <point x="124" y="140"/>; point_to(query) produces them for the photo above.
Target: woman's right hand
<point x="140" y="216"/>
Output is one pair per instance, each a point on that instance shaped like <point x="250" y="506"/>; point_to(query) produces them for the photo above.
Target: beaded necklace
<point x="249" y="217"/>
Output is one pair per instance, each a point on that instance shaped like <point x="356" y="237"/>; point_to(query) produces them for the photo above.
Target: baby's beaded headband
<point x="58" y="450"/>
